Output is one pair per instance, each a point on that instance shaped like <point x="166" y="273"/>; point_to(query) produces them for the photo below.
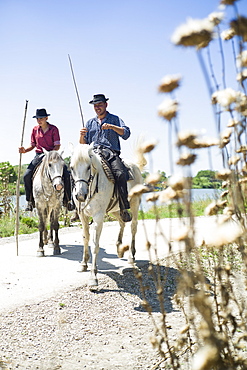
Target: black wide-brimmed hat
<point x="40" y="113"/>
<point x="98" y="98"/>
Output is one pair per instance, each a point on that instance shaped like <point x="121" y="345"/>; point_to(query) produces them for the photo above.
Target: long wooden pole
<point x="76" y="90"/>
<point x="18" y="184"/>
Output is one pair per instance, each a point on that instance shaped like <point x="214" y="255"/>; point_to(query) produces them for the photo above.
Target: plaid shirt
<point x="46" y="140"/>
<point x="107" y="138"/>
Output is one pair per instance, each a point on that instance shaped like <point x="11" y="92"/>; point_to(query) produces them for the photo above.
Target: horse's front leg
<point x="54" y="226"/>
<point x="85" y="234"/>
<point x="42" y="226"/>
<point x="98" y="224"/>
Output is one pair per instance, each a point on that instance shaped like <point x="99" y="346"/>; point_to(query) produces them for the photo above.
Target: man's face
<point x="100" y="108"/>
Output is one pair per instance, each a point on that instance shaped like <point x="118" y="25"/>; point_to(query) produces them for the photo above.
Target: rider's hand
<point x="83" y="131"/>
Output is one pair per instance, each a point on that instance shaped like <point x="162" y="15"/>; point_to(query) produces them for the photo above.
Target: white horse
<point x="94" y="196"/>
<point x="48" y="192"/>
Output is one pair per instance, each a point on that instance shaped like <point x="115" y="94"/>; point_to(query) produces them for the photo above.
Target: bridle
<point x="89" y="183"/>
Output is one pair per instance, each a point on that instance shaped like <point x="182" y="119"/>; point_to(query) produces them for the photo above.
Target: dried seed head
<point x="182" y="234"/>
<point x="241" y="76"/>
<point x="216" y="18"/>
<point x="211" y="209"/>
<point x="147" y="146"/>
<point x="223" y="233"/>
<point x="228" y="2"/>
<point x="224" y="184"/>
<point x="242" y="149"/>
<point x="167" y="195"/>
<point x="223" y="219"/>
<point x="241" y="59"/>
<point x="241" y="104"/>
<point x="228" y="211"/>
<point x="153" y="178"/>
<point x="195" y="32"/>
<point x="214" y="207"/>
<point x="226" y="133"/>
<point x="184" y="329"/>
<point x="176" y="182"/>
<point x="224" y="193"/>
<point x="224" y="97"/>
<point x="234" y="160"/>
<point x="190" y="139"/>
<point x="185" y="138"/>
<point x="243" y="180"/>
<point x="169" y="83"/>
<point x="205" y="142"/>
<point x="223" y="174"/>
<point x="205" y="358"/>
<point x="138" y="190"/>
<point x="186" y="159"/>
<point x="168" y="109"/>
<point x="239" y="26"/>
<point x="233" y="122"/>
<point x="227" y="34"/>
<point x="154" y="342"/>
<point x="152" y="197"/>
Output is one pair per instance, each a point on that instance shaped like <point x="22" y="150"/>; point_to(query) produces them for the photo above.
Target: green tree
<point x="7" y="172"/>
<point x="206" y="179"/>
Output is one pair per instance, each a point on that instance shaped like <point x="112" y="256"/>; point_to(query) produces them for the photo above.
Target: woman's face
<point x="42" y="121"/>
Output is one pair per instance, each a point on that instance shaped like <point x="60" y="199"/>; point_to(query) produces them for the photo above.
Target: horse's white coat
<point x="92" y="194"/>
<point x="48" y="192"/>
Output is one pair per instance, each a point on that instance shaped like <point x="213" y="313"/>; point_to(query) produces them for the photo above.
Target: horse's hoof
<point x="40" y="253"/>
<point x="50" y="244"/>
<point x="93" y="283"/>
<point x="82" y="268"/>
<point x="131" y="261"/>
<point x="56" y="251"/>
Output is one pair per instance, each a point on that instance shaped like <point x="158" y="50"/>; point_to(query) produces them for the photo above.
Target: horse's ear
<point x="71" y="147"/>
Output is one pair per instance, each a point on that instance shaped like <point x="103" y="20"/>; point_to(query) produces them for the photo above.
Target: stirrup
<point x="29" y="206"/>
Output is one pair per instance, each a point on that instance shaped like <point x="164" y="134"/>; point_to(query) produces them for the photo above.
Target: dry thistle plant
<point x="212" y="271"/>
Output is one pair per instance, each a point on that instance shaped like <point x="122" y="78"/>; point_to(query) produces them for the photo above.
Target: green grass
<point x="175" y="210"/>
<point x="29" y="225"/>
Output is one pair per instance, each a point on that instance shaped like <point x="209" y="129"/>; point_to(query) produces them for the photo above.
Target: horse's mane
<point x="80" y="154"/>
<point x="50" y="156"/>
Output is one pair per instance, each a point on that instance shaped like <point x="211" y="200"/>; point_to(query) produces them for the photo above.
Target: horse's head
<point x="53" y="165"/>
<point x="80" y="165"/>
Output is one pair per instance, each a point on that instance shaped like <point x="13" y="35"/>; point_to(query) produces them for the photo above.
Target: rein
<point x="89" y="183"/>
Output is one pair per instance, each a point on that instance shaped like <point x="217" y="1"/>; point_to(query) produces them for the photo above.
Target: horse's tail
<point x="140" y="160"/>
<point x="142" y="147"/>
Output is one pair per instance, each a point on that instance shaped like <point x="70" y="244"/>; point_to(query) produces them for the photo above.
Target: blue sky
<point x="119" y="48"/>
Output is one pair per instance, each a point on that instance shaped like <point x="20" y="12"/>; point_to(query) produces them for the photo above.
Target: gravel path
<point x="50" y="320"/>
<point x="64" y="325"/>
<point x="80" y="329"/>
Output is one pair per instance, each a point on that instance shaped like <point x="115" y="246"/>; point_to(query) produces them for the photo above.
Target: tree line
<point x="205" y="179"/>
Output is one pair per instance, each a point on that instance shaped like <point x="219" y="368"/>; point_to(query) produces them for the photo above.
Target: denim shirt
<point x="107" y="138"/>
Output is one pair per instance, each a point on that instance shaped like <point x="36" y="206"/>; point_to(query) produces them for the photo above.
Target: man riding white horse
<point x="104" y="131"/>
